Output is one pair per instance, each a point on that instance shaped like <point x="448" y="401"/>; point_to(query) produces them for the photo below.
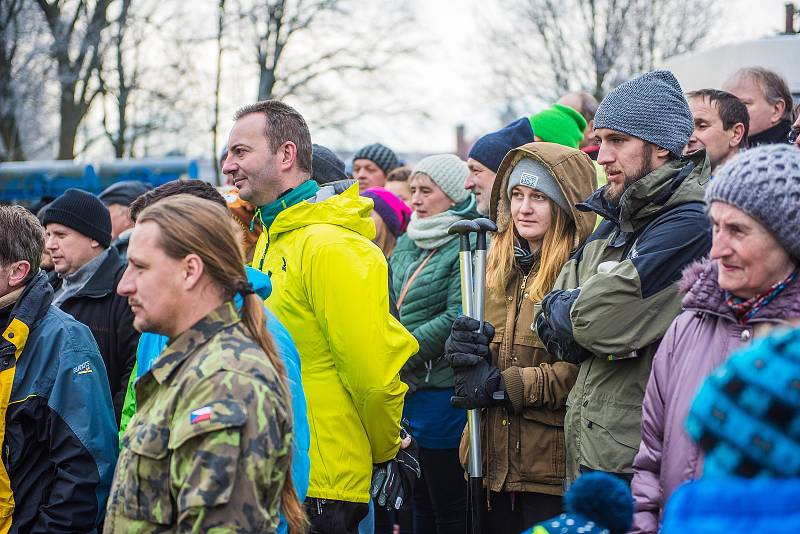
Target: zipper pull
<point x="428" y="366"/>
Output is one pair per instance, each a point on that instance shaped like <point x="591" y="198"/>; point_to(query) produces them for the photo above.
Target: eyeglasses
<point x="794" y="134"/>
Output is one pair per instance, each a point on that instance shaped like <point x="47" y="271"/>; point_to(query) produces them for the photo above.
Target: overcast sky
<point x="452" y="88"/>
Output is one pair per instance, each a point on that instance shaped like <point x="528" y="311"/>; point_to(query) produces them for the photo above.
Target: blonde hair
<point x="192" y="225"/>
<point x="557" y="244"/>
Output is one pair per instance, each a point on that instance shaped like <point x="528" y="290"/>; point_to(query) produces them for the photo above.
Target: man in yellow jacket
<point x="329" y="288"/>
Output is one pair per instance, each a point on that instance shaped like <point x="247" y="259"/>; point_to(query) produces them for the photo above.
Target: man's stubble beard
<point x="613" y="194"/>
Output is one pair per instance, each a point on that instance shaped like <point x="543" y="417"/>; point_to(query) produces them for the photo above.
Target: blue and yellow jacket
<point x="57" y="426"/>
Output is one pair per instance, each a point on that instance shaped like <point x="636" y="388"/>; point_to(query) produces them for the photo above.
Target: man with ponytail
<point x="330" y="291"/>
<point x="210" y="444"/>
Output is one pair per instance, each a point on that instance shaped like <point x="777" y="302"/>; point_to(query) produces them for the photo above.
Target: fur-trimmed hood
<point x="701" y="290"/>
<point x="574" y="173"/>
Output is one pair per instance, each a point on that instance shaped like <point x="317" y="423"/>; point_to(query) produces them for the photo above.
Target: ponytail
<point x="253" y="319"/>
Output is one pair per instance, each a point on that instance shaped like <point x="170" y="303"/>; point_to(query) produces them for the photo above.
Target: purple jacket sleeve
<point x="646" y="484"/>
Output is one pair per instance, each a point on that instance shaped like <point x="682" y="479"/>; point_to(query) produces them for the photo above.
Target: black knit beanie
<point x="82" y="212"/>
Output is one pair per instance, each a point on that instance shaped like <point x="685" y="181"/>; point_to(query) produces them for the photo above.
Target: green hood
<point x="678" y="182"/>
<point x="348" y="210"/>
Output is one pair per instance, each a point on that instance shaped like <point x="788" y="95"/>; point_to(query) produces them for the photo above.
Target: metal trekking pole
<point x="474" y="490"/>
<point x="479" y="295"/>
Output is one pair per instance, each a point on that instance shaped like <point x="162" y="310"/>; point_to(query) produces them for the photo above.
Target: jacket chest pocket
<point x="144" y="471"/>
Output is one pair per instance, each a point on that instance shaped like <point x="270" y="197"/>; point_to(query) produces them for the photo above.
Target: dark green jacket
<point x="431" y="304"/>
<point x="618" y="294"/>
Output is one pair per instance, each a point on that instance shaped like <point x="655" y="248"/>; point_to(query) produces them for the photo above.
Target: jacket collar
<point x="104" y="279"/>
<point x="703" y="294"/>
<point x="188" y="342"/>
<point x="30" y="306"/>
<point x="775" y="134"/>
<point x="672" y="184"/>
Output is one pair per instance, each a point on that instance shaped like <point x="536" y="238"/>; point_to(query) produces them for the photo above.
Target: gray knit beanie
<point x="530" y="173"/>
<point x="651" y="107"/>
<point x="382" y="156"/>
<point x="448" y="172"/>
<point x="764" y="182"/>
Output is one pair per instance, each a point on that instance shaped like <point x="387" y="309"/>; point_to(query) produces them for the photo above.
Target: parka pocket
<point x="611" y="435"/>
<point x="541" y="446"/>
<point x="144" y="476"/>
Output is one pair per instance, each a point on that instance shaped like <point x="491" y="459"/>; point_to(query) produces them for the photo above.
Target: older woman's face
<point x="750" y="259"/>
<point x="426" y="197"/>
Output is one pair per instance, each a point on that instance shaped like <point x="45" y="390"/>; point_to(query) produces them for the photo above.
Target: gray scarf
<point x="431" y="232"/>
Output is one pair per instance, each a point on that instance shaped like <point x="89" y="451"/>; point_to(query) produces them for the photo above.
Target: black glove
<point x="393" y="481"/>
<point x="466" y="346"/>
<point x="477" y="383"/>
<point x="564" y="348"/>
<point x="478" y="386"/>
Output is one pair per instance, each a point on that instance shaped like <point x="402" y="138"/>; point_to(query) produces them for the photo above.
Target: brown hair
<point x="21" y="238"/>
<point x="196" y="188"/>
<point x="730" y="109"/>
<point x="556" y="247"/>
<point x="192" y="225"/>
<point x="400" y="174"/>
<point x="283" y="123"/>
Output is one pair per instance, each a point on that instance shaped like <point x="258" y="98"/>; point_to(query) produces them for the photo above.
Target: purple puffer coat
<point x="699" y="339"/>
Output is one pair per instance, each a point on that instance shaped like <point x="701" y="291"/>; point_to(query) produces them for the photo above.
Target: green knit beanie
<point x="559" y="124"/>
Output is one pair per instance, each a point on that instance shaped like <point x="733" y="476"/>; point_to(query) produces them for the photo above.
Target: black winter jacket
<point x="110" y="319"/>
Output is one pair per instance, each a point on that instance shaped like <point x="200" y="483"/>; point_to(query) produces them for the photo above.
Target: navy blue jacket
<point x="59" y="440"/>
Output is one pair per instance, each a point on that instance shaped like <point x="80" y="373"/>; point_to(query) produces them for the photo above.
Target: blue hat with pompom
<point x="597" y="503"/>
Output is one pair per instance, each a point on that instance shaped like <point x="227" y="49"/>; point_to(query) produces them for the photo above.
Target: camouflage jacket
<point x="208" y="448"/>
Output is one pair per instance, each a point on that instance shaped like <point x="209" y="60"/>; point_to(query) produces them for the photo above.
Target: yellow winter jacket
<point x="329" y="289"/>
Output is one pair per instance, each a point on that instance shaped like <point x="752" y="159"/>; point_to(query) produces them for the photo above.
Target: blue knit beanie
<point x="490" y="149"/>
<point x="746" y="416"/>
<point x="597" y="503"/>
<point x="651" y="107"/>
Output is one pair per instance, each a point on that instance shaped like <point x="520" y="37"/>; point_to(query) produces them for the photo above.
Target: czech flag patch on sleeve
<point x="201" y="414"/>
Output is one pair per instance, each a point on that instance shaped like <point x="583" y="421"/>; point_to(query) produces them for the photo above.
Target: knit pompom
<point x="604" y="499"/>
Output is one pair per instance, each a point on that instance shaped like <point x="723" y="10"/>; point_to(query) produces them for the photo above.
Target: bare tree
<point x="126" y="79"/>
<point x="546" y="48"/>
<point x="217" y="83"/>
<point x="77" y="42"/>
<point x="304" y="47"/>
<point x="9" y="42"/>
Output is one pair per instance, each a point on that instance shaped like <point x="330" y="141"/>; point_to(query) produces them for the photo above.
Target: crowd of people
<point x="289" y="353"/>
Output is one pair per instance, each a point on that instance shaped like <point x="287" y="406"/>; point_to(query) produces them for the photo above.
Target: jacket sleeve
<point x="432" y="334"/>
<point x="83" y="444"/>
<point x="633" y="304"/>
<point x="129" y="404"/>
<point x="645" y="486"/>
<point x="127" y="338"/>
<point x="368" y="345"/>
<point x="543" y="386"/>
